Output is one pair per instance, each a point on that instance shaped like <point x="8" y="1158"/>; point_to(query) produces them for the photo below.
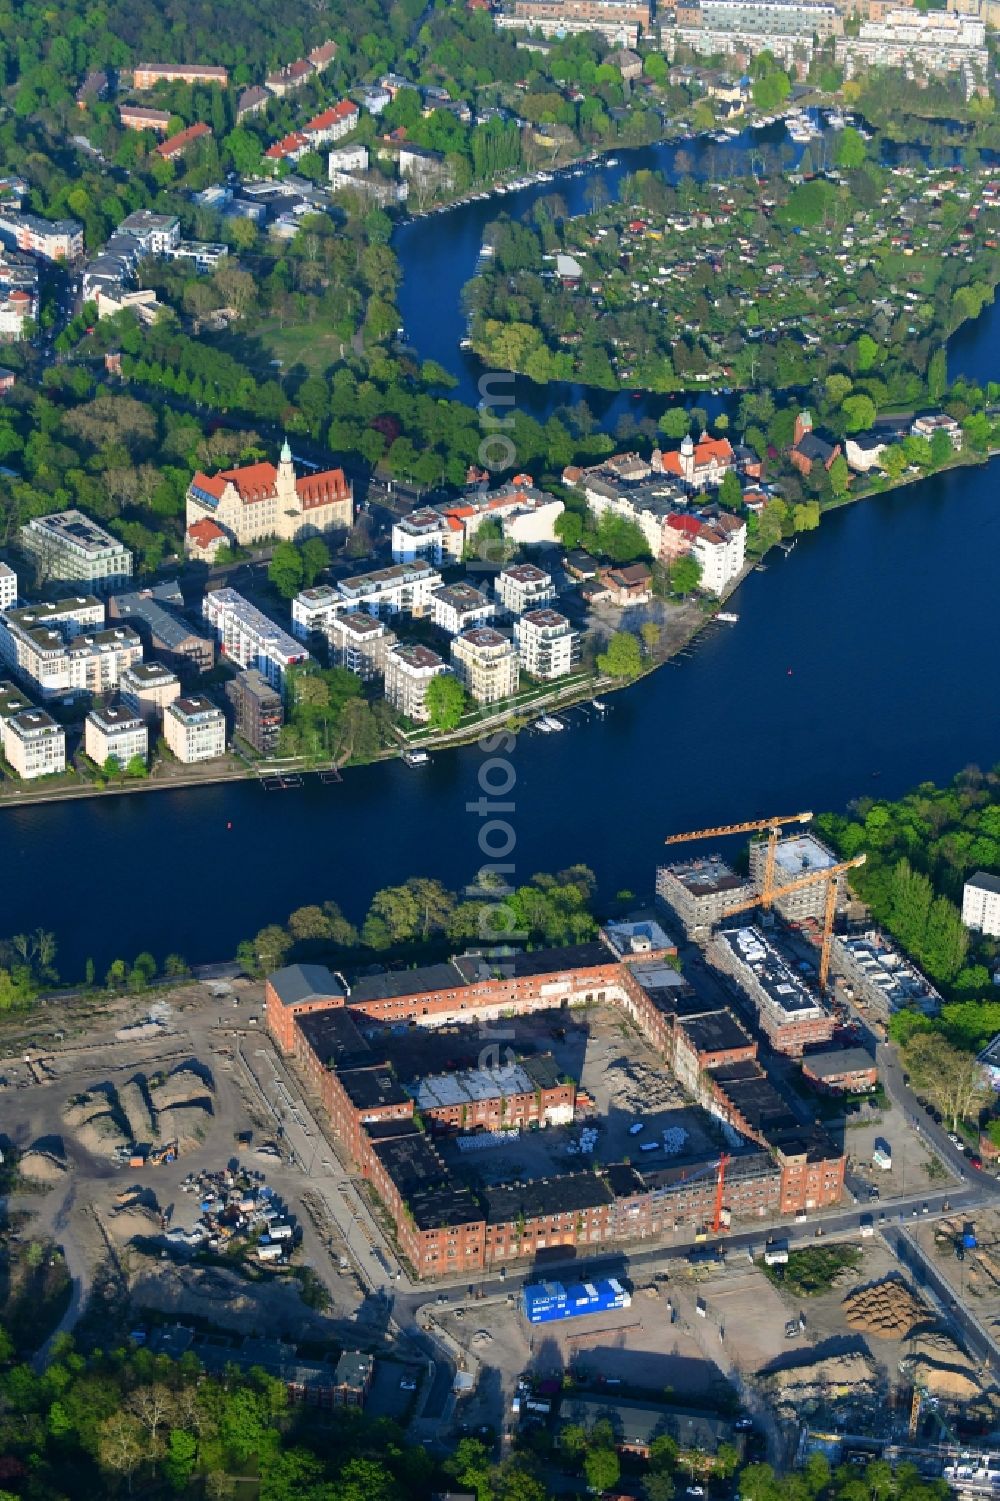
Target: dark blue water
<point x="864" y="663"/>
<point x="439" y="254"/>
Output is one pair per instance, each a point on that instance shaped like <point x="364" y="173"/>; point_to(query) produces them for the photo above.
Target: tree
<point x="685" y="574"/>
<point x="136" y="766"/>
<point x="286" y="570"/>
<point x="851" y="150"/>
<point x="859" y="412"/>
<point x="952" y="1081"/>
<point x="121" y="1445"/>
<point x="674" y="423"/>
<point x="730" y="491"/>
<point x="315" y="556"/>
<point x="840" y="476"/>
<point x="601" y="1468"/>
<point x="650" y="633"/>
<point x="569" y="529"/>
<point x="623" y="658"/>
<point x="942" y="450"/>
<point x="445" y="700"/>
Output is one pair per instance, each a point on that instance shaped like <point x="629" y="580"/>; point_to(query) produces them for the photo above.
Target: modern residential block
<point x="69" y="548"/>
<point x="360" y="643"/>
<point x="147" y="688"/>
<point x="33" y="744"/>
<point x="249" y="637"/>
<point x="8" y="588"/>
<point x="409" y="669"/>
<point x="981" y="904"/>
<point x="547" y="645"/>
<point x="455" y="607"/>
<point x="115" y="732"/>
<point x="194" y="729"/>
<point x="486" y="663"/>
<point x="523" y="586"/>
<point x="258" y="709"/>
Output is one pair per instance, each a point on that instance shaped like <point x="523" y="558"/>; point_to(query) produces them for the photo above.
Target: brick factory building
<point x="390" y="1126"/>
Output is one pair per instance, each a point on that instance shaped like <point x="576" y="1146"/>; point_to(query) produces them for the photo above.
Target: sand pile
<point x="887" y="1310"/>
<point x="133" y="1101"/>
<point x="182" y="1102"/>
<point x="938" y="1364"/>
<point x="41" y="1167"/>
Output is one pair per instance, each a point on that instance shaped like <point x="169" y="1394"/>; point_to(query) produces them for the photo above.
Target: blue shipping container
<point x="546" y="1301"/>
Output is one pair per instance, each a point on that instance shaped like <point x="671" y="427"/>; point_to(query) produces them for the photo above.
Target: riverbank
<point x="683" y="630"/>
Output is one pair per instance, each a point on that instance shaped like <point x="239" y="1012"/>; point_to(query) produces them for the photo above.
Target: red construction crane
<point x="720" y="1183"/>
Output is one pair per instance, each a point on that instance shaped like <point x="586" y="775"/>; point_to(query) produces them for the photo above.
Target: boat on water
<point x="728" y="616"/>
<point x="612" y="161"/>
<point x="599" y="706"/>
<point x="415" y="758"/>
<point x="549" y="725"/>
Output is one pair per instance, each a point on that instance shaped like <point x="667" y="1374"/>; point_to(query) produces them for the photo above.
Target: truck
<point x="544" y="1302"/>
<point x="776" y="1253"/>
<point x="866" y="1227"/>
<point x="882" y="1154"/>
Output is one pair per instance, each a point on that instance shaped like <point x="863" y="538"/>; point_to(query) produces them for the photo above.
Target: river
<point x="862" y="664"/>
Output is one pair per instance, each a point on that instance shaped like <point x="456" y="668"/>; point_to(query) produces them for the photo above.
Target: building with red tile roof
<point x="258" y="501"/>
<point x="178" y="144"/>
<point x="697" y="464"/>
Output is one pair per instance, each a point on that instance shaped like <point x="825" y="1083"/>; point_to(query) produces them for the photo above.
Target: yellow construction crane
<point x="829" y="874"/>
<point x="754" y="826"/>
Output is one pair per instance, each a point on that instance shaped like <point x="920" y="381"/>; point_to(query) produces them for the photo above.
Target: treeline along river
<point x="862" y="664"/>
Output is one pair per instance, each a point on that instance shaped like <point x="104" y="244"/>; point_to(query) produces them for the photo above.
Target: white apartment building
<point x="527" y="516"/>
<point x="158" y="234"/>
<point x="486" y="664"/>
<point x="981" y="904"/>
<point x="64" y="661"/>
<point x="116" y="733"/>
<point x="424" y="534"/>
<point x="409" y="670"/>
<point x="248" y="637"/>
<point x="937" y="422"/>
<point x="404" y="588"/>
<point x="455" y="607"/>
<point x="523" y="586"/>
<point x="360" y="643"/>
<point x="194" y="729"/>
<point x="930" y="45"/>
<point x="33" y="744"/>
<point x="8" y="588"/>
<point x="547" y="645"/>
<point x="147" y="688"/>
<point x="70" y="548"/>
<point x="720" y="548"/>
<point x="313" y="609"/>
<point x="71" y="615"/>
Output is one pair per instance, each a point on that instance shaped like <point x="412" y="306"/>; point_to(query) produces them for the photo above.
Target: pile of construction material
<point x="887" y="1309"/>
<point x="43" y="1163"/>
<point x="146" y="1112"/>
<point x="639" y="1089"/>
<point x="587" y="1142"/>
<point x="829" y="1380"/>
<point x="936" y="1364"/>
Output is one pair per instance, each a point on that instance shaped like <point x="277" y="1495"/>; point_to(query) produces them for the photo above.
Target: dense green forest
<point x="920" y="851"/>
